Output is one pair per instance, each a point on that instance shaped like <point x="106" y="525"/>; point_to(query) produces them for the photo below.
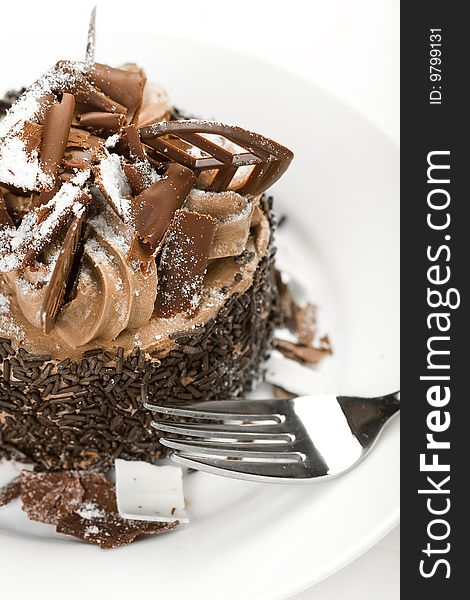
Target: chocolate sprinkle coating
<point x="84" y="414"/>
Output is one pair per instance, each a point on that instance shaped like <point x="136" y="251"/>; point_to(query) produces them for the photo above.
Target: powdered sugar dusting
<point x="16" y="166"/>
<point x="8" y="327"/>
<point x="15" y="242"/>
<point x="89" y="510"/>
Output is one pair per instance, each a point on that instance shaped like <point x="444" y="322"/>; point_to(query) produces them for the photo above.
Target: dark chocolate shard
<point x="55" y="136"/>
<point x="153" y="209"/>
<point x="101" y="121"/>
<point x="10" y="491"/>
<point x="57" y="284"/>
<point x="48" y="496"/>
<point x="306" y="355"/>
<point x="124" y="86"/>
<point x="183" y="262"/>
<point x="97" y="520"/>
<point x="270" y="159"/>
<point x="5" y="219"/>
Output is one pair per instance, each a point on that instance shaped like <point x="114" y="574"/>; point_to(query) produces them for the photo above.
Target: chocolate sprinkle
<point x="85" y="413"/>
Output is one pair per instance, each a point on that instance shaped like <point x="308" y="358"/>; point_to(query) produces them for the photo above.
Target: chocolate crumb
<point x="306" y="355"/>
<point x="97" y="521"/>
<point x="10" y="491"/>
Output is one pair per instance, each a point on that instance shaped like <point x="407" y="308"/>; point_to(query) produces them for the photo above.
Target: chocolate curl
<point x="83" y="149"/>
<point x="5" y="219"/>
<point x="55" y="136"/>
<point x="154" y="208"/>
<point x="183" y="262"/>
<point x="57" y="285"/>
<point x="85" y="93"/>
<point x="127" y="87"/>
<point x="101" y="120"/>
<point x="90" y="45"/>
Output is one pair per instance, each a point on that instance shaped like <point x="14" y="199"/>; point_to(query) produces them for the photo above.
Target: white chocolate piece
<point x="148" y="492"/>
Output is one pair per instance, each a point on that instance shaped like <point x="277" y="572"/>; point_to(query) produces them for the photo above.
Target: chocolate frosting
<point x="103" y="237"/>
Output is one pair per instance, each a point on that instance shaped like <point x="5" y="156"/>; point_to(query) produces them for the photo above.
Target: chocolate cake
<point x="136" y="263"/>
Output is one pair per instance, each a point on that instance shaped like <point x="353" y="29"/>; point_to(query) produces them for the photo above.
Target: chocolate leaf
<point x="268" y="158"/>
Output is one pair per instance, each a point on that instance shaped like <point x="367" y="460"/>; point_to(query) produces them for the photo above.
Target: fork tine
<point x="223" y="431"/>
<point x="225" y="451"/>
<point x="239" y="446"/>
<point x="227" y="409"/>
<point x="268" y="471"/>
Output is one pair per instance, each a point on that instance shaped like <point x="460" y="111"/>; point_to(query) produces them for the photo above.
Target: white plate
<point x="245" y="540"/>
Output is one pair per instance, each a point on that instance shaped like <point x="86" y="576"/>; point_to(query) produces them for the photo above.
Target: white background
<point x="348" y="47"/>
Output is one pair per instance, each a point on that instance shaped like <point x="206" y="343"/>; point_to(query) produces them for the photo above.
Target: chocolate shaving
<point x="57" y="285"/>
<point x="269" y="158"/>
<point x="154" y="208"/>
<point x="85" y="92"/>
<point x="99" y="121"/>
<point x="126" y="87"/>
<point x="183" y="262"/>
<point x="46" y="497"/>
<point x="97" y="520"/>
<point x="10" y="491"/>
<point x="306" y="355"/>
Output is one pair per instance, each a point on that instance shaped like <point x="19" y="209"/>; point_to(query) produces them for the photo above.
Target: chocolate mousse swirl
<point x="109" y="215"/>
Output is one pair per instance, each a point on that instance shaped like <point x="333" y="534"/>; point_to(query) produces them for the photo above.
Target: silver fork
<point x="306" y="439"/>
